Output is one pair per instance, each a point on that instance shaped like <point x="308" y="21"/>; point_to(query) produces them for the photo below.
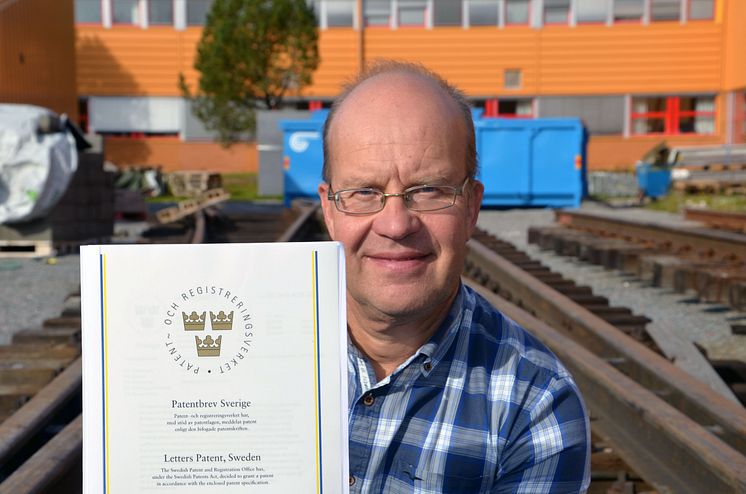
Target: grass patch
<point x="676" y="202"/>
<point x="241" y="187"/>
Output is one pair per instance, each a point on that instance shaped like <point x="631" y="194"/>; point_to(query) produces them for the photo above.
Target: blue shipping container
<point x="522" y="162"/>
<point x="531" y="162"/>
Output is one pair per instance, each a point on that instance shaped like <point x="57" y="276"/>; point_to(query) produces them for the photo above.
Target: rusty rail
<point x="735" y="222"/>
<point x="709" y="409"/>
<point x="53" y="465"/>
<point x="666" y="447"/>
<point x="701" y="241"/>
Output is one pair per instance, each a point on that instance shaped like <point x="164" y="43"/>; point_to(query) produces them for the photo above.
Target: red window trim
<point x="491" y="110"/>
<point x="671" y="117"/>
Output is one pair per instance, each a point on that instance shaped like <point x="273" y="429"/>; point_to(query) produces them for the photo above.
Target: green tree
<point x="251" y="54"/>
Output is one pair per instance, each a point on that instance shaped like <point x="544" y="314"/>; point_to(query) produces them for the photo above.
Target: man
<point x="446" y="395"/>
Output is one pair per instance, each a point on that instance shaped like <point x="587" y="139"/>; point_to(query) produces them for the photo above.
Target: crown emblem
<point x="194" y="321"/>
<point x="207" y="347"/>
<point x="221" y="320"/>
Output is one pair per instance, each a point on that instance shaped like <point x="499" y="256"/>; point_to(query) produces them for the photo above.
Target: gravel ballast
<point x="32" y="290"/>
<point x="706" y="324"/>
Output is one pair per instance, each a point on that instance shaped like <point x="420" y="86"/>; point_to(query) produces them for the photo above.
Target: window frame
<point x="711" y="18"/>
<point x="186" y="16"/>
<point x="568" y="16"/>
<point x="608" y="7"/>
<point x="425" y="13"/>
<point x="468" y="5"/>
<point x="160" y="24"/>
<point x="100" y="15"/>
<point x="671" y="116"/>
<point x="640" y="20"/>
<point x="504" y="14"/>
<point x="137" y="22"/>
<point x="651" y="6"/>
<point x="324" y="16"/>
<point x="492" y="108"/>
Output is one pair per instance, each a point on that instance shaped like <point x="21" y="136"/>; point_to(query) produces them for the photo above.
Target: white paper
<point x="214" y="368"/>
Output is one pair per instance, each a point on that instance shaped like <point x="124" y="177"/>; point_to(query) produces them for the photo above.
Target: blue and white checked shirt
<point x="481" y="407"/>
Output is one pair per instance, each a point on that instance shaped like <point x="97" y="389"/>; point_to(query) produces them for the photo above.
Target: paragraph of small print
<point x="211" y="422"/>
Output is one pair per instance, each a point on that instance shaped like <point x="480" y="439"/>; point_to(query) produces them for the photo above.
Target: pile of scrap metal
<point x="717" y="168"/>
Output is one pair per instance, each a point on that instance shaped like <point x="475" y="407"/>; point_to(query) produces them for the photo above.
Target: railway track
<point x="670" y="432"/>
<point x="40" y="372"/>
<point x="735" y="222"/>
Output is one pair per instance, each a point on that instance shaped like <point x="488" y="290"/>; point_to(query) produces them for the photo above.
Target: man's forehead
<point x="397" y="92"/>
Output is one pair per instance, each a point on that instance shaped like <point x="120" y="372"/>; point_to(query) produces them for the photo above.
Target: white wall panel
<point x="135" y="114"/>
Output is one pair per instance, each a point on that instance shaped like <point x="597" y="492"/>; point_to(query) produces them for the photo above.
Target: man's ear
<point x="474" y="203"/>
<point x="327" y="207"/>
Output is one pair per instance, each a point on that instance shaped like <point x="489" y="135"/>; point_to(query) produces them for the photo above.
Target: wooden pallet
<point x="26" y="248"/>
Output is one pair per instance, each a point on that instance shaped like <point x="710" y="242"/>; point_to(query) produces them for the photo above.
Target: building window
<point x="665" y="10"/>
<point x="512" y="79"/>
<point x="701" y="9"/>
<point x="197" y="11"/>
<point x="556" y="11"/>
<point x="673" y="115"/>
<point x="88" y="11"/>
<point x="340" y="13"/>
<point x="508" y="108"/>
<point x="483" y="12"/>
<point x="412" y="12"/>
<point x="629" y="10"/>
<point x="161" y="12"/>
<point x="377" y="12"/>
<point x="125" y="12"/>
<point x="517" y="12"/>
<point x="591" y="10"/>
<point x="447" y="12"/>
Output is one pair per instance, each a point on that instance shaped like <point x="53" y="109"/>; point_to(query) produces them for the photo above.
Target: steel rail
<point x="679" y="389"/>
<point x="19" y="428"/>
<point x="726" y="245"/>
<point x="667" y="448"/>
<point x="49" y="464"/>
<point x="300" y="228"/>
<point x="718" y="219"/>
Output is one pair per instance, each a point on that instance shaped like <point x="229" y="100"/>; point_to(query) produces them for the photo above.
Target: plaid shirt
<point x="481" y="407"/>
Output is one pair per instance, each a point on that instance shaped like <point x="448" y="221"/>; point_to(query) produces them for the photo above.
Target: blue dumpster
<point x="522" y="162"/>
<point x="653" y="181"/>
<point x="303" y="155"/>
<point x="532" y="162"/>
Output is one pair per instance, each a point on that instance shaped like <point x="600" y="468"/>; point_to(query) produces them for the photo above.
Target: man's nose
<point x="395" y="220"/>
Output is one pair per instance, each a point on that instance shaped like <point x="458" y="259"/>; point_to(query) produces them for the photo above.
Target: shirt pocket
<point x="450" y="482"/>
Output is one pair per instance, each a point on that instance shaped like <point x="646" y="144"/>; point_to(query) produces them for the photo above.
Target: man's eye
<point x="429" y="191"/>
<point x="363" y="194"/>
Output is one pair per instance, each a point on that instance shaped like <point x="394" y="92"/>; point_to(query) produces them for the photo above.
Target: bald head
<point x="388" y="93"/>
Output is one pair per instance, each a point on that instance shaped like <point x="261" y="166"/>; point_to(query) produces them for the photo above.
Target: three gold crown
<point x="207" y="346"/>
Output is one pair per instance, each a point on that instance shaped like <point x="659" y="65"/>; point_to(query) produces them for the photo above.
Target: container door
<point x="503" y="161"/>
<point x="303" y="159"/>
<point x="556" y="165"/>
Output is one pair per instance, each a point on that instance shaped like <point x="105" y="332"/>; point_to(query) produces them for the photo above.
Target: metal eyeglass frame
<point x="334" y="196"/>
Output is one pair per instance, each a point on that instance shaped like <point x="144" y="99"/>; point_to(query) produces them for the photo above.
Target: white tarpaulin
<point x="37" y="161"/>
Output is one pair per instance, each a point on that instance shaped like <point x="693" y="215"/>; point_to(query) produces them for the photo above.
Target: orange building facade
<point x="637" y="71"/>
<point x="37" y="54"/>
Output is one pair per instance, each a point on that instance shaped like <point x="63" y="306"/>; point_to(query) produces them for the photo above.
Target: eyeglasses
<point x="418" y="198"/>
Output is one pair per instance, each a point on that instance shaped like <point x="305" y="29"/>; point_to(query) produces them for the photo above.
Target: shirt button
<point x="352" y="480"/>
<point x="428" y="366"/>
<point x="368" y="399"/>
